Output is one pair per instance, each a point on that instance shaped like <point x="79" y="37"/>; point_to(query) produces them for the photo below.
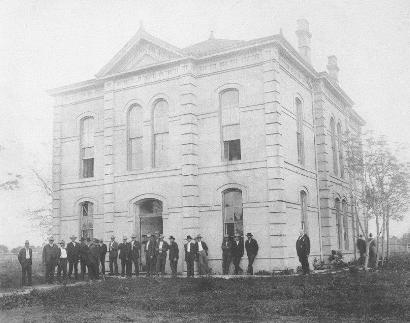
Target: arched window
<point x="87" y="147"/>
<point x="231" y="137"/>
<point x="304" y="212"/>
<point x="135" y="137"/>
<point x="340" y="147"/>
<point x="345" y="225"/>
<point x="86" y="219"/>
<point x="299" y="131"/>
<point x="161" y="134"/>
<point x="333" y="142"/>
<point x="339" y="230"/>
<point x="232" y="212"/>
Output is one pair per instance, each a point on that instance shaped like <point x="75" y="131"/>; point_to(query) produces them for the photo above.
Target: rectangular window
<point x="232" y="149"/>
<point x="88" y="167"/>
<point x="160" y="149"/>
<point x="135" y="153"/>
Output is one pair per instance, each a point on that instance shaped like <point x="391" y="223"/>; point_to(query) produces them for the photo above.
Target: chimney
<point x="304" y="37"/>
<point x="332" y="68"/>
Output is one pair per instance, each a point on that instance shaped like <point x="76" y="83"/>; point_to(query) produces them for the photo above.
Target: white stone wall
<point x="191" y="186"/>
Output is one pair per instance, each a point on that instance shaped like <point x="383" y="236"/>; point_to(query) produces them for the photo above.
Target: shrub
<point x="263" y="273"/>
<point x="397" y="262"/>
<point x="336" y="260"/>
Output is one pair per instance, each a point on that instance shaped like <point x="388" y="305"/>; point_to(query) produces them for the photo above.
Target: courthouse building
<point x="220" y="137"/>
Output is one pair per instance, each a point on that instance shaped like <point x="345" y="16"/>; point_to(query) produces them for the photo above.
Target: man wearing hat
<point x="190" y="253"/>
<point x="125" y="258"/>
<point x="94" y="259"/>
<point x="62" y="263"/>
<point x="237" y="253"/>
<point x="202" y="255"/>
<point x="173" y="256"/>
<point x="25" y="258"/>
<point x="251" y="246"/>
<point x="150" y="254"/>
<point x="226" y="254"/>
<point x="83" y="255"/>
<point x="161" y="253"/>
<point x="135" y="255"/>
<point x="113" y="255"/>
<point x="73" y="255"/>
<point x="103" y="252"/>
<point x="51" y="254"/>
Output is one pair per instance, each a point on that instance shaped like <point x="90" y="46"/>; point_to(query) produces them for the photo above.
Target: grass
<point x="360" y="296"/>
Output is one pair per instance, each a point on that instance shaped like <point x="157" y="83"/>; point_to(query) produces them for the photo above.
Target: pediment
<point x="142" y="50"/>
<point x="143" y="54"/>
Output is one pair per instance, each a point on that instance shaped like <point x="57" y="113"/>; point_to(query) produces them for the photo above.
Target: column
<point x="322" y="150"/>
<point x="109" y="197"/>
<point x="274" y="160"/>
<point x="56" y="170"/>
<point x="189" y="151"/>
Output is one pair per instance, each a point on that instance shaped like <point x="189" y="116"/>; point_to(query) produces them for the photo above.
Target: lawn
<point x="328" y="297"/>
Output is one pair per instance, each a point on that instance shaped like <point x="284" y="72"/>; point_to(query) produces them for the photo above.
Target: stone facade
<point x="270" y="76"/>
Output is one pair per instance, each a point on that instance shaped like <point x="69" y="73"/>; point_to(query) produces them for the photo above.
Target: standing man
<point x="73" y="255"/>
<point x="150" y="254"/>
<point x="251" y="246"/>
<point x="113" y="255"/>
<point x="94" y="259"/>
<point x="237" y="253"/>
<point x="303" y="251"/>
<point x="202" y="255"/>
<point x="103" y="252"/>
<point x="226" y="254"/>
<point x="51" y="254"/>
<point x="62" y="263"/>
<point x="83" y="252"/>
<point x="25" y="258"/>
<point x="190" y="253"/>
<point x="124" y="249"/>
<point x="135" y="255"/>
<point x="161" y="252"/>
<point x="173" y="256"/>
<point x="361" y="247"/>
<point x="372" y="251"/>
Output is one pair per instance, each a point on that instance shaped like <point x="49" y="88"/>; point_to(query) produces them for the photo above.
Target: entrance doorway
<point x="148" y="221"/>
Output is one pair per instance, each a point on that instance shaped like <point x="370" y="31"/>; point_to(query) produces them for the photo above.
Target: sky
<point x="46" y="43"/>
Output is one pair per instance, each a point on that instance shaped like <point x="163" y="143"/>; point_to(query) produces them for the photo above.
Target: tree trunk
<point x="387" y="237"/>
<point x="366" y="259"/>
<point x="383" y="235"/>
<point x="377" y="239"/>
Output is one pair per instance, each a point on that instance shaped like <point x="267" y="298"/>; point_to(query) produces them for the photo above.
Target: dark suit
<point x="51" y="255"/>
<point x="190" y="258"/>
<point x="150" y="256"/>
<point x="303" y="251"/>
<point x="173" y="257"/>
<point x="237" y="254"/>
<point x="125" y="257"/>
<point x="135" y="256"/>
<point x="25" y="266"/>
<point x="73" y="256"/>
<point x="84" y="250"/>
<point x="103" y="252"/>
<point x="161" y="254"/>
<point x="361" y="247"/>
<point x="113" y="255"/>
<point x="251" y="246"/>
<point x="226" y="255"/>
<point x="93" y="260"/>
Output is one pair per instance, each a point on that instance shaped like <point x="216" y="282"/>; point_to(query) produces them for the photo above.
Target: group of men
<point x="90" y="254"/>
<point x="233" y="250"/>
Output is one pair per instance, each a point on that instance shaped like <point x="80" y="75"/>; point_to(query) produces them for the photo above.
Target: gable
<point x="142" y="50"/>
<point x="142" y="54"/>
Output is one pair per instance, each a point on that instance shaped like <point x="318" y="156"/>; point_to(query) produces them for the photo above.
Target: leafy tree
<point x="4" y="249"/>
<point x="385" y="193"/>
